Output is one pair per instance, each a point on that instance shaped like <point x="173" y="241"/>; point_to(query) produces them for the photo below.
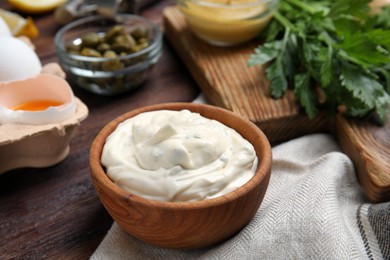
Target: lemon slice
<point x="36" y="6"/>
<point x="19" y="25"/>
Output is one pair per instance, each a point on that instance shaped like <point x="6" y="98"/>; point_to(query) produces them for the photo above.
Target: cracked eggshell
<point x="40" y="88"/>
<point x="38" y="145"/>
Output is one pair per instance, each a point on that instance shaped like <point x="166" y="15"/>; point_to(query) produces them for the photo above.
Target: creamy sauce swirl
<point x="177" y="156"/>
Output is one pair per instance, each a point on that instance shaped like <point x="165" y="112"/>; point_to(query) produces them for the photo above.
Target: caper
<point x="125" y="40"/>
<point x="116" y="42"/>
<point x="115" y="39"/>
<point x="90" y="40"/>
<point x="118" y="47"/>
<point x="73" y="52"/>
<point x="129" y="39"/>
<point x="90" y="52"/>
<point x="140" y="46"/>
<point x="102" y="47"/>
<point x="73" y="47"/>
<point x="142" y="40"/>
<point x="111" y="64"/>
<point x="139" y="32"/>
<point x="109" y="54"/>
<point x="113" y="33"/>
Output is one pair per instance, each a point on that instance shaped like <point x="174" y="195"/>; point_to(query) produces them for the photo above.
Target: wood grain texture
<point x="227" y="81"/>
<point x="189" y="224"/>
<point x="54" y="212"/>
<point x="368" y="146"/>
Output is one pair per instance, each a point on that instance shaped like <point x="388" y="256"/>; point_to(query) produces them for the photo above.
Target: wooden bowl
<point x="185" y="225"/>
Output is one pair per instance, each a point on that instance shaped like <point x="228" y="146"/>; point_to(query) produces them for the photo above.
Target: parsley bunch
<point x="334" y="54"/>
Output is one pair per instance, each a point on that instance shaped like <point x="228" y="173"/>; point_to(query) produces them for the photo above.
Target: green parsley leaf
<point x="265" y="53"/>
<point x="305" y="93"/>
<point x="275" y="73"/>
<point x="326" y="58"/>
<point x="362" y="49"/>
<point x="382" y="18"/>
<point x="338" y="46"/>
<point x="362" y="87"/>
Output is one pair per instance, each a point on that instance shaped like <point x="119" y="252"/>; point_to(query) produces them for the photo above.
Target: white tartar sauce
<point x="177" y="156"/>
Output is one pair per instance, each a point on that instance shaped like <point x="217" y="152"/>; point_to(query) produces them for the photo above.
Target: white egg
<point x="17" y="60"/>
<point x="4" y="29"/>
<point x="44" y="99"/>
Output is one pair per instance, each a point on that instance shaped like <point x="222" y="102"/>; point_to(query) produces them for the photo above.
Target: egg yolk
<point x="37" y="105"/>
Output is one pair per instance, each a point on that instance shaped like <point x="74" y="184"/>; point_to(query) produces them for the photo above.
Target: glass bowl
<point x="227" y="22"/>
<point x="93" y="57"/>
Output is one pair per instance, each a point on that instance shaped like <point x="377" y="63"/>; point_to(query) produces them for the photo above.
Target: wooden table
<point x="55" y="212"/>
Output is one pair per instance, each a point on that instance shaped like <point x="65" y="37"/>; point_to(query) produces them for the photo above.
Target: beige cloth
<point x="314" y="208"/>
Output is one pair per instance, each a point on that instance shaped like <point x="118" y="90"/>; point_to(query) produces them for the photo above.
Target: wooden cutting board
<point x="226" y="81"/>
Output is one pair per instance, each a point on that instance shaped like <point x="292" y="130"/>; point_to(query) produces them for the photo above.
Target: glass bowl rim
<point x="154" y="45"/>
<point x="129" y="70"/>
<point x="206" y="3"/>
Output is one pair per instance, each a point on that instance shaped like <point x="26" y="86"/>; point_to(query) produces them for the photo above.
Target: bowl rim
<point x="157" y="41"/>
<point x="206" y="3"/>
<point x="98" y="174"/>
<point x="134" y="68"/>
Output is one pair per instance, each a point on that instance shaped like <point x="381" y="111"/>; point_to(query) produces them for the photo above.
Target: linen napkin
<point x="314" y="208"/>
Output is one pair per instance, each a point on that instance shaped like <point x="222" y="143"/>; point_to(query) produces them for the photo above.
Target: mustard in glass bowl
<point x="227" y="22"/>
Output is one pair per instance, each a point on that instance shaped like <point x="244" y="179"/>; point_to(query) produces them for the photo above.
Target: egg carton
<point x="38" y="145"/>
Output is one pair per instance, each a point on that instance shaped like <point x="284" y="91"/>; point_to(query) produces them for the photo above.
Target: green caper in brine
<point x="73" y="48"/>
<point x="113" y="32"/>
<point x="142" y="40"/>
<point x="139" y="32"/>
<point x="90" y="52"/>
<point x="102" y="47"/>
<point x="123" y="42"/>
<point x="91" y="40"/>
<point x="109" y="54"/>
<point x="118" y="47"/>
<point x="111" y="64"/>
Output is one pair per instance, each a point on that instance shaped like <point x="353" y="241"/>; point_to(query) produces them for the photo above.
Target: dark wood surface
<point x="54" y="213"/>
